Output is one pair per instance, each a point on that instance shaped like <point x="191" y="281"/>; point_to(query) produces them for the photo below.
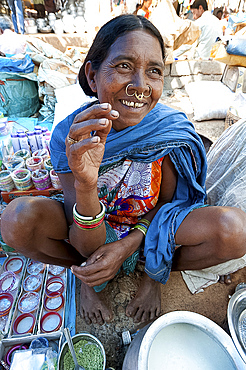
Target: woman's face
<point x="134" y="58"/>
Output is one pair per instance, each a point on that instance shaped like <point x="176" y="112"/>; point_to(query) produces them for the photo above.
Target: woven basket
<point x="230" y="119"/>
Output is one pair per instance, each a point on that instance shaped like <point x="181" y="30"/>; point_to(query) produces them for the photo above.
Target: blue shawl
<point x="163" y="131"/>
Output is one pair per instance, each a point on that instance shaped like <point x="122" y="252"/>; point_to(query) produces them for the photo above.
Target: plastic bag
<point x="18" y="94"/>
<point x="220" y="54"/>
<point x="16" y="65"/>
<point x="226" y="176"/>
<point x="236" y="46"/>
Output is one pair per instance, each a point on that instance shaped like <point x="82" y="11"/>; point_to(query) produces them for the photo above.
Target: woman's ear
<point x="90" y="75"/>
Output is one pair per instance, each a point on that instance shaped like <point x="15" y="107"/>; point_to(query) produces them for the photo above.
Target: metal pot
<point x="76" y="338"/>
<point x="182" y="340"/>
<point x="236" y="315"/>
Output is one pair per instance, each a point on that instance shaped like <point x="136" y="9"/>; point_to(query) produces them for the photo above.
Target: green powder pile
<point x="88" y="355"/>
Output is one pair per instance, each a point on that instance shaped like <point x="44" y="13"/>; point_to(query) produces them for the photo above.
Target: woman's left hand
<point x="101" y="266"/>
<point x="105" y="262"/>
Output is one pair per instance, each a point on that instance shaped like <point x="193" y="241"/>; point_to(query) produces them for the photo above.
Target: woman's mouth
<point x="132" y="104"/>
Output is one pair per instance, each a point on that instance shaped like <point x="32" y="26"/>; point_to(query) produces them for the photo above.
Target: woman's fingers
<point x="97" y="278"/>
<point x="96" y="111"/>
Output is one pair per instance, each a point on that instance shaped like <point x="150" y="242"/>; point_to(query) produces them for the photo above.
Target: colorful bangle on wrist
<point x="88" y="222"/>
<point x="142" y="226"/>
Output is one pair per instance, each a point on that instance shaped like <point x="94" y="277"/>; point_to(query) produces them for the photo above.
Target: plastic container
<point x="8" y="282"/>
<point x="55" y="180"/>
<point x="12" y="350"/>
<point x="32" y="141"/>
<point x="32" y="283"/>
<point x="54" y="287"/>
<point x="34" y="163"/>
<point x="23" y="153"/>
<point x="50" y="322"/>
<point x="44" y="153"/>
<point x="56" y="270"/>
<point x="15" y="141"/>
<point x="6" y="181"/>
<point x="29" y="302"/>
<point x="54" y="304"/>
<point x="23" y="141"/>
<point x="13" y="163"/>
<point x="41" y="179"/>
<point x="24" y="324"/>
<point x="48" y="165"/>
<point x="22" y="179"/>
<point x="39" y="135"/>
<point x="6" y="302"/>
<point x="14" y="264"/>
<point x="35" y="267"/>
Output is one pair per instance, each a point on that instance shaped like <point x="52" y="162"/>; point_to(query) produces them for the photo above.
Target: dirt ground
<point x="211" y="303"/>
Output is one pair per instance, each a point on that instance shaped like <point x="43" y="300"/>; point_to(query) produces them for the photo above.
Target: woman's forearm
<point x="87" y="240"/>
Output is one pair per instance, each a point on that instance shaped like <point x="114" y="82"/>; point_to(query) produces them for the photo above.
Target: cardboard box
<point x="10" y="195"/>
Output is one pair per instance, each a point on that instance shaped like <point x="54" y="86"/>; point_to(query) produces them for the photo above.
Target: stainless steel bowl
<point x="76" y="338"/>
<point x="183" y="340"/>
<point x="235" y="312"/>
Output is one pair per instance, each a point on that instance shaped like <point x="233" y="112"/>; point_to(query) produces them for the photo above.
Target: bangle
<point x="83" y="226"/>
<point x="81" y="218"/>
<point x="142" y="226"/>
<point x="89" y="222"/>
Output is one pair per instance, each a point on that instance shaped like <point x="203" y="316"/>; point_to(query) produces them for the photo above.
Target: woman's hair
<point x="107" y="35"/>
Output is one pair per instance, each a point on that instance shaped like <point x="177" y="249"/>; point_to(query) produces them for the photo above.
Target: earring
<point x="139" y="96"/>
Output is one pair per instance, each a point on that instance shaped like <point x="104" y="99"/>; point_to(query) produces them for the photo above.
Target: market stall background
<point x="57" y="46"/>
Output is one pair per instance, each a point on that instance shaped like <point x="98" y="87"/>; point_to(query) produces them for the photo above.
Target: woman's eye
<point x="123" y="65"/>
<point x="157" y="71"/>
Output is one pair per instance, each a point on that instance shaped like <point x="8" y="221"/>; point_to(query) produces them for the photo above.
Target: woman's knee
<point x="231" y="232"/>
<point x="19" y="218"/>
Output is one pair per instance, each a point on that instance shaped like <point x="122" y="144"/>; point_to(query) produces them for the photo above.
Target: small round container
<point x="48" y="165"/>
<point x="6" y="181"/>
<point x="54" y="287"/>
<point x="50" y="322"/>
<point x="12" y="350"/>
<point x="23" y="153"/>
<point x="34" y="163"/>
<point x="8" y="282"/>
<point x="55" y="180"/>
<point x="13" y="163"/>
<point x="28" y="302"/>
<point x="35" y="267"/>
<point x="56" y="270"/>
<point x="54" y="304"/>
<point x="41" y="153"/>
<point x="32" y="283"/>
<point x="14" y="264"/>
<point x="6" y="301"/>
<point x="24" y="323"/>
<point x="22" y="179"/>
<point x="41" y="179"/>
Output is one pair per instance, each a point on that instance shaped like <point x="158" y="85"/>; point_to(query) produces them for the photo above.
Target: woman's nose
<point x="140" y="82"/>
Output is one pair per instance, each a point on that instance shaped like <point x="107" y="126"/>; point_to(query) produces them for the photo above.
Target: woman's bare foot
<point x="146" y="305"/>
<point x="225" y="279"/>
<point x="92" y="308"/>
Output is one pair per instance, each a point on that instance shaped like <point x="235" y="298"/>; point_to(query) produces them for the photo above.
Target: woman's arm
<point x="85" y="154"/>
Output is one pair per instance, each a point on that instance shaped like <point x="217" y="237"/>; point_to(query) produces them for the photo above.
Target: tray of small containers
<point x="32" y="304"/>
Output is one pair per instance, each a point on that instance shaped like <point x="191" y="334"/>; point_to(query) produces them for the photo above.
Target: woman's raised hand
<point x="86" y="140"/>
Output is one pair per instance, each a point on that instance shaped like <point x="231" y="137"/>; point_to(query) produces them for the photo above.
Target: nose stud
<point x="139" y="96"/>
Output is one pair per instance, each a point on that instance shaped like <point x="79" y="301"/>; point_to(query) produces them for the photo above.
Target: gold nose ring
<point x="139" y="96"/>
